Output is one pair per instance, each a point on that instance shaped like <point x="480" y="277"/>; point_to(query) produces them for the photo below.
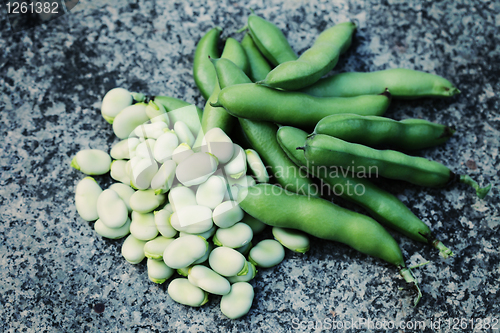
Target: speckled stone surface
<point x="55" y="268"/>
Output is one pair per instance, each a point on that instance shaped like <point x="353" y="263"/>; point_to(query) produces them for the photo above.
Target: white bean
<point x="207" y="234"/>
<point x="128" y="119"/>
<point x="113" y="102"/>
<point x="227" y="214"/>
<point x="192" y="219"/>
<point x="267" y="253"/>
<point x="182" y="152"/>
<point x="154" y="248"/>
<point x="158" y="272"/>
<point x="238" y="302"/>
<point x="181" y="196"/>
<point x="124" y="192"/>
<point x="227" y="261"/>
<point x="122" y="149"/>
<point x="112" y="233"/>
<point x="165" y="146"/>
<point x="157" y="113"/>
<point x="92" y="161"/>
<point x="145" y="149"/>
<point x="184" y="292"/>
<point x="211" y="192"/>
<point x="257" y="166"/>
<point x="118" y="171"/>
<point x="252" y="271"/>
<point x="145" y="201"/>
<point x="164" y="178"/>
<point x="236" y="236"/>
<point x="237" y="166"/>
<point x="133" y="250"/>
<point x="142" y="172"/>
<point x="111" y="209"/>
<point x="143" y="226"/>
<point x="202" y="260"/>
<point x="294" y="240"/>
<point x="152" y="130"/>
<point x="219" y="144"/>
<point x="184" y="251"/>
<point x="184" y="133"/>
<point x="196" y="169"/>
<point x="162" y="222"/>
<point x="86" y="194"/>
<point x="208" y="280"/>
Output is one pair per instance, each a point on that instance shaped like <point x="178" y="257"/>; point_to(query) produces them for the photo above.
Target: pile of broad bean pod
<point x="183" y="198"/>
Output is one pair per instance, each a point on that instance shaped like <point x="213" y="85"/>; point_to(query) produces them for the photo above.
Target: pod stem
<point x="419" y="265"/>
<point x="443" y="250"/>
<point x="242" y="29"/>
<point x="481" y="192"/>
<point x="453" y="91"/>
<point x="408" y="276"/>
<point x="436" y="243"/>
<point x="217" y="104"/>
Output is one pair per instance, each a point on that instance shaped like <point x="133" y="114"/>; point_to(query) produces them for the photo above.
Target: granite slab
<point x="57" y="272"/>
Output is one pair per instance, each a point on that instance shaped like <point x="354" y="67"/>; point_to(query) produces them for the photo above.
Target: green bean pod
<point x="381" y="205"/>
<point x="402" y="83"/>
<point x="203" y="71"/>
<point x="262" y="136"/>
<point x="324" y="150"/>
<point x="216" y="116"/>
<point x="373" y="131"/>
<point x="236" y="53"/>
<point x="259" y="67"/>
<point x="256" y="102"/>
<point x="270" y="40"/>
<point x="320" y="218"/>
<point x="313" y="63"/>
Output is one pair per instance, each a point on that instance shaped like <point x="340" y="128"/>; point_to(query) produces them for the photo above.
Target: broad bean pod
<point x="320" y="218"/>
<point x="259" y="67"/>
<point x="259" y="103"/>
<point x="215" y="116"/>
<point x="324" y="150"/>
<point x="380" y="204"/>
<point x="270" y="40"/>
<point x="313" y="63"/>
<point x="203" y="71"/>
<point x="402" y="83"/>
<point x="373" y="131"/>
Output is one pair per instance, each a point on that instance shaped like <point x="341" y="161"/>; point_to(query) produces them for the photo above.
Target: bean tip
<point x="300" y="148"/>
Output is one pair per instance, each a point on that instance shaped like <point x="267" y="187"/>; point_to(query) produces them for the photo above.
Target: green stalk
<point x="408" y="276"/>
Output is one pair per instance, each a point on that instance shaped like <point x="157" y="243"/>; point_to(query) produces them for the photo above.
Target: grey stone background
<point x="52" y="78"/>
